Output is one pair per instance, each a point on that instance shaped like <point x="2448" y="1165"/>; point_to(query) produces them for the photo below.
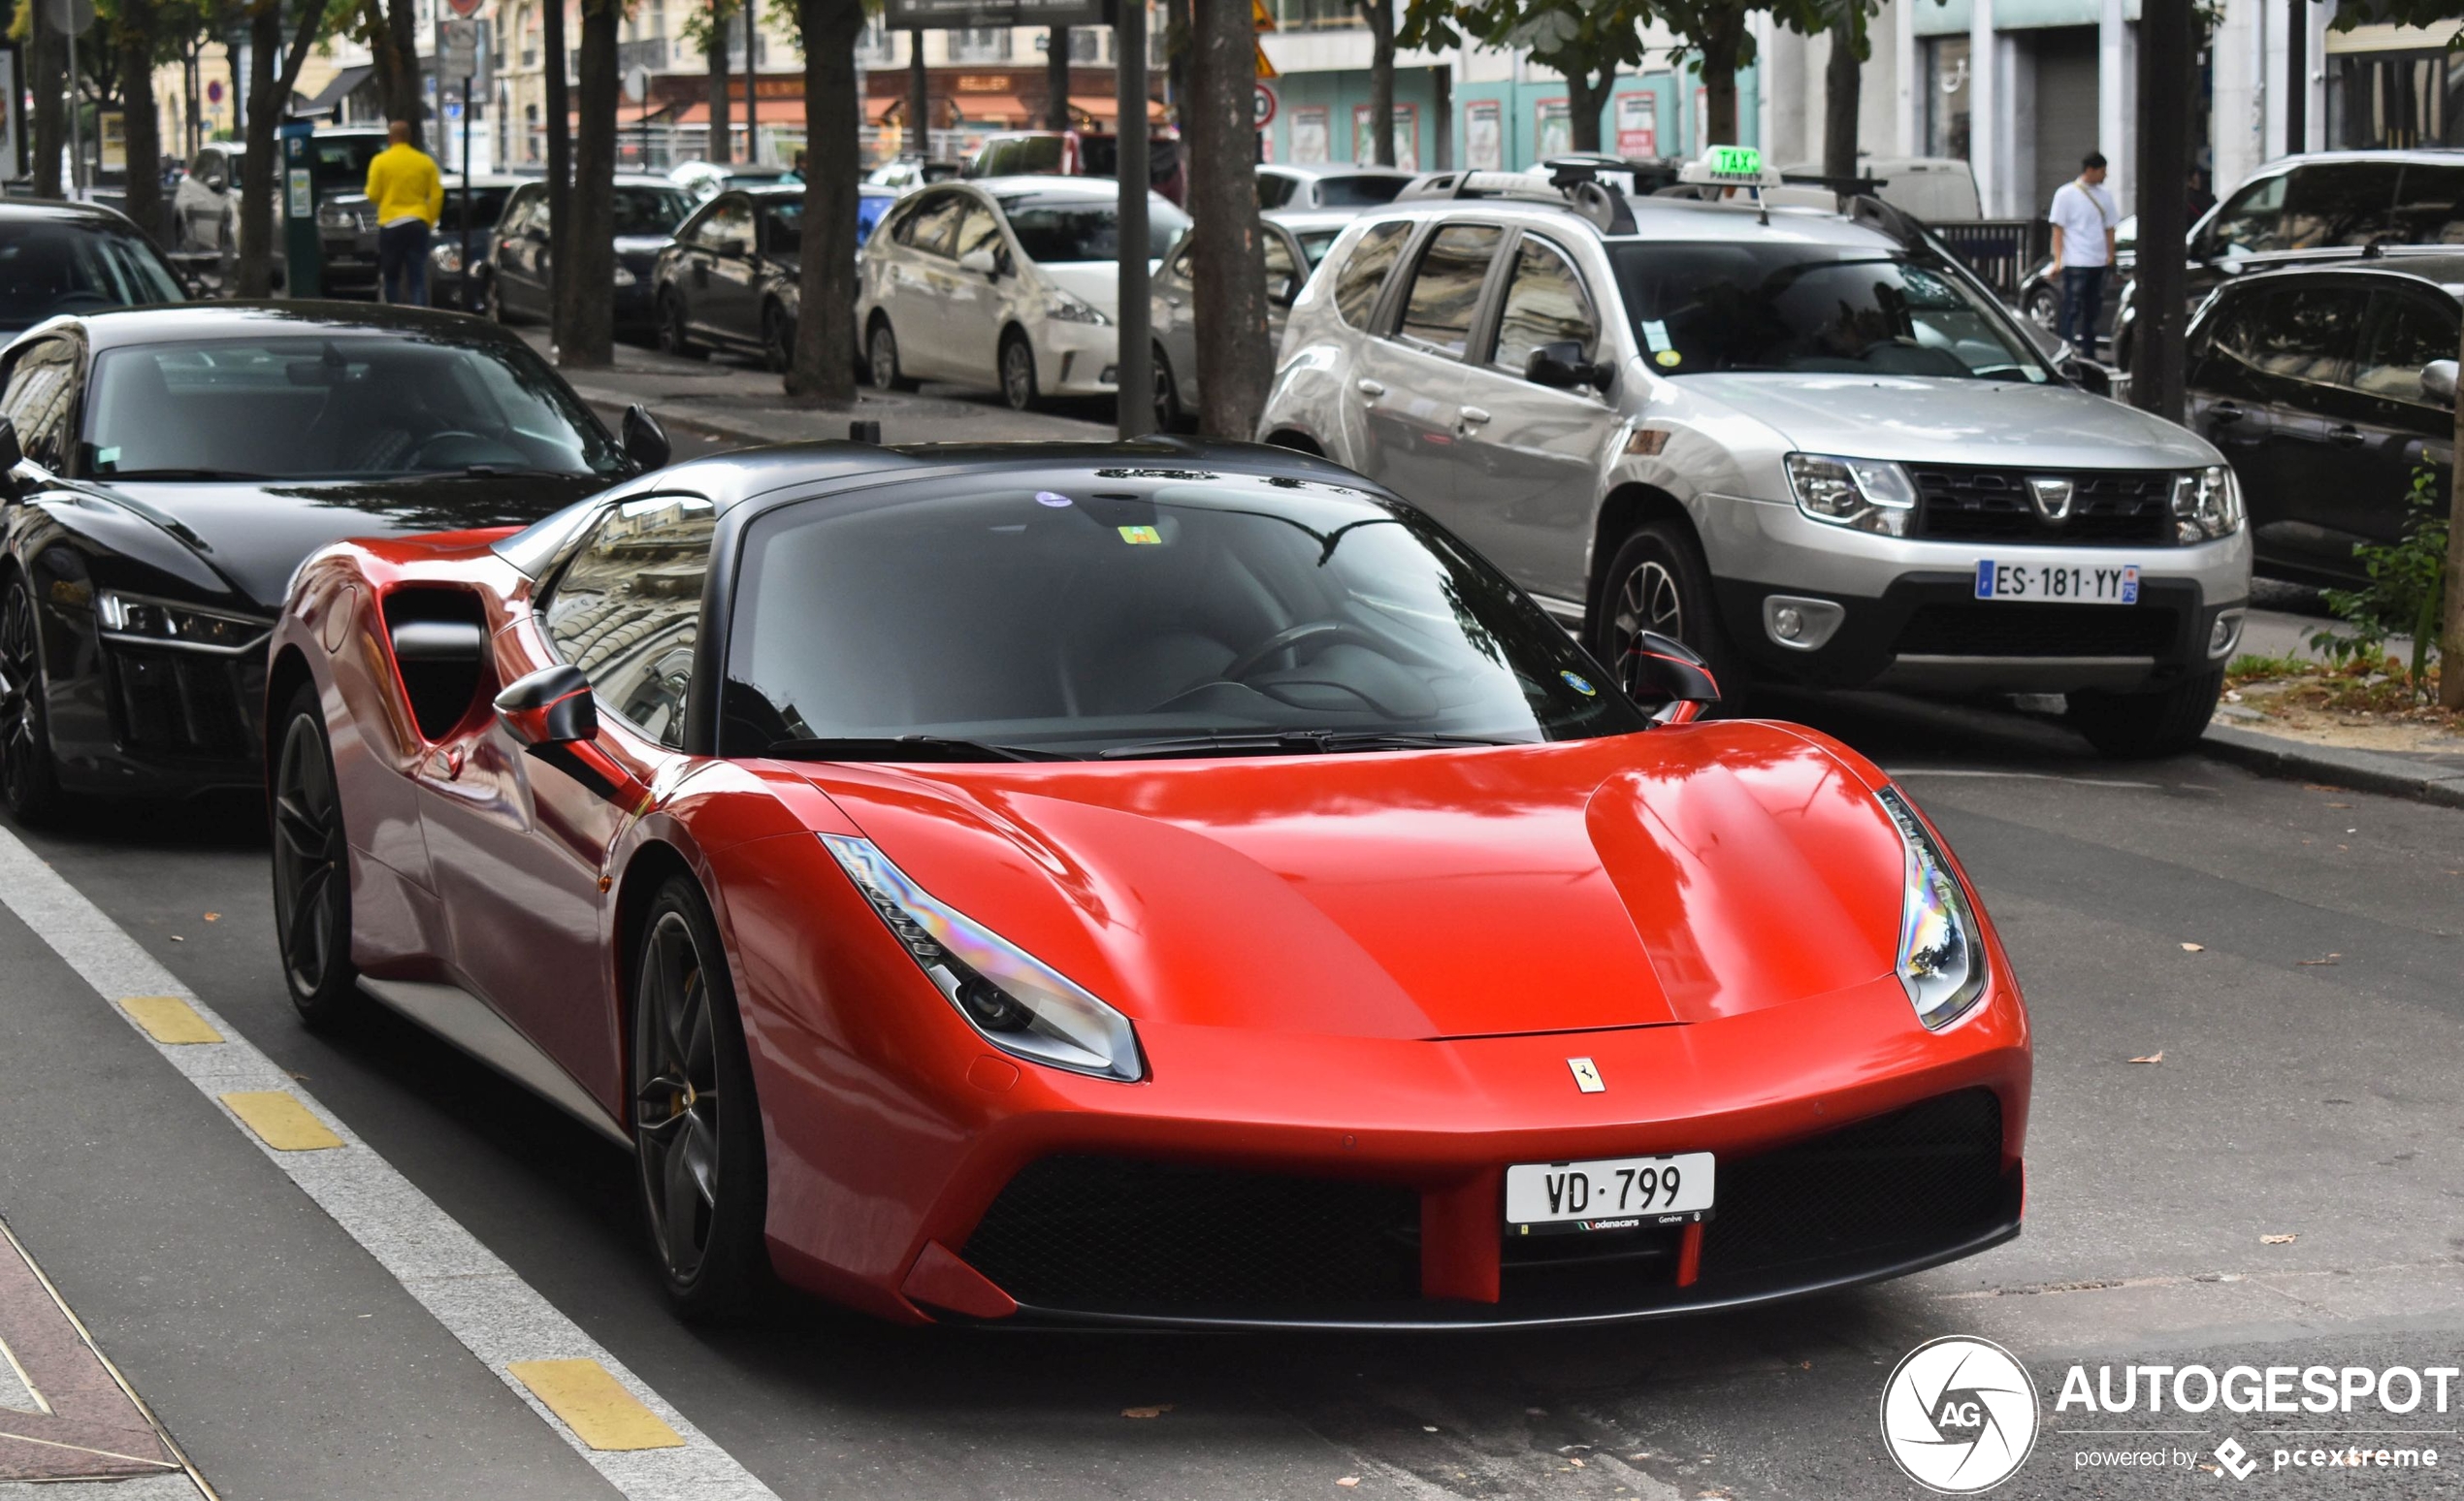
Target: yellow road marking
<point x="281" y="1119"/>
<point x="598" y="1409"/>
<point x="168" y="1018"/>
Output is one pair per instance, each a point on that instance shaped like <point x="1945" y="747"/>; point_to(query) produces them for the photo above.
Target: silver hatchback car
<point x="1803" y="442"/>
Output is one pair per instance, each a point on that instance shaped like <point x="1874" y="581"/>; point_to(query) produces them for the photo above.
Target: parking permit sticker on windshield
<point x="1668" y="359"/>
<point x="1138" y="535"/>
<point x="1580" y="684"/>
<point x="1655" y="334"/>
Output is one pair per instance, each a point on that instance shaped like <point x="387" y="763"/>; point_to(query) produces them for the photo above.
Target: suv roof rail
<point x="1571" y="187"/>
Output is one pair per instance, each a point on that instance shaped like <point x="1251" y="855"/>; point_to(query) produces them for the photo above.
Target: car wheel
<point x="696" y="1125"/>
<point x="778" y="340"/>
<point x="2142" y="726"/>
<point x="673" y="337"/>
<point x="881" y="350"/>
<point x="311" y="866"/>
<point x="1018" y="372"/>
<point x="29" y="779"/>
<point x="1658" y="581"/>
<point x="1167" y="395"/>
<point x="2043" y="307"/>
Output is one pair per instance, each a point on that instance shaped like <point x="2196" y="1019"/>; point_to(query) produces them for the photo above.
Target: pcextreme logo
<point x="1959" y="1415"/>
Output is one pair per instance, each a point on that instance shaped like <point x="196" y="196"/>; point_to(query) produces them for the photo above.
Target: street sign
<point x="637" y="84"/>
<point x="74" y="16"/>
<point x="456" y="48"/>
<point x="1265" y="68"/>
<point x="941" y="14"/>
<point x="466" y="8"/>
<point x="1264" y="109"/>
<point x="1260" y="18"/>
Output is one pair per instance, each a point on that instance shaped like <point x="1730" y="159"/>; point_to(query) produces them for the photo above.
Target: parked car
<point x="1812" y="449"/>
<point x="74" y="258"/>
<point x="1132" y="887"/>
<point x="727" y="281"/>
<point x="168" y="468"/>
<point x="1296" y="241"/>
<point x="907" y="174"/>
<point x="1935" y="190"/>
<point x="647" y="210"/>
<point x="1073" y="153"/>
<point x="2327" y="387"/>
<point x="450" y="285"/>
<point x="1009" y="284"/>
<point x="204" y="206"/>
<point x="705" y="180"/>
<point x="1635" y="178"/>
<point x="1328" y="186"/>
<point x="346" y="219"/>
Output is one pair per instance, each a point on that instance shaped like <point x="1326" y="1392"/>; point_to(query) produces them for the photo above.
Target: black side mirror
<point x="550" y="707"/>
<point x="1668" y="677"/>
<point x="2089" y="375"/>
<point x="645" y="441"/>
<point x="1561" y="367"/>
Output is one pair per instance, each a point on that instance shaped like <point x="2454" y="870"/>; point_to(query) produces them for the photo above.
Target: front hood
<point x="1677" y="875"/>
<point x="256" y="535"/>
<point x="1097" y="281"/>
<point x="1937" y="420"/>
<point x="637" y="252"/>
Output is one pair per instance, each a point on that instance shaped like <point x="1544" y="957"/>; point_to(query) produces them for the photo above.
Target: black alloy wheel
<point x="881" y="348"/>
<point x="1658" y="581"/>
<point x="311" y="866"/>
<point x="1017" y="372"/>
<point x="29" y="779"/>
<point x="673" y="337"/>
<point x="778" y="340"/>
<point x="1167" y="395"/>
<point x="696" y="1126"/>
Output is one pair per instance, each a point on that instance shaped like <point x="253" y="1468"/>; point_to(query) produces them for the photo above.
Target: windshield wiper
<point x="178" y="473"/>
<point x="901" y="747"/>
<point x="1297" y="742"/>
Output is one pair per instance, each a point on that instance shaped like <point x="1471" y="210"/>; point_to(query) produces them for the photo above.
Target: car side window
<point x="1182" y="267"/>
<point x="628" y="609"/>
<point x="2253" y="220"/>
<point x="2296" y="333"/>
<point x="934" y="225"/>
<point x="1445" y="287"/>
<point x="1545" y="304"/>
<point x="2404" y="333"/>
<point x="727" y="228"/>
<point x="2429" y="205"/>
<point x="1274" y="189"/>
<point x="978" y="230"/>
<point x="2339" y="204"/>
<point x="41" y="389"/>
<point x="1283" y="279"/>
<point x="1364" y="271"/>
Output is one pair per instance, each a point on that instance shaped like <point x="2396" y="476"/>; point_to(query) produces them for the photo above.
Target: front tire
<point x="881" y="352"/>
<point x="2044" y="307"/>
<point x="2144" y="725"/>
<point x="29" y="777"/>
<point x="696" y="1125"/>
<point x="1167" y="395"/>
<point x="673" y="337"/>
<point x="1018" y="372"/>
<point x="778" y="340"/>
<point x="311" y="866"/>
<point x="1658" y="581"/>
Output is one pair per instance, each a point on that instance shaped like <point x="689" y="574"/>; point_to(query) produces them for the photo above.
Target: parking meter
<point x="303" y="252"/>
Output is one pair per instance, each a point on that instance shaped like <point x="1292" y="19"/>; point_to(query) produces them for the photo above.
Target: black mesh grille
<point x="1961" y="503"/>
<point x="1983" y="628"/>
<point x="1929" y="1175"/>
<point x="1102" y="1232"/>
<point x="185" y="702"/>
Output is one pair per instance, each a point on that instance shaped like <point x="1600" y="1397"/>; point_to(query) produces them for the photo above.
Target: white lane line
<point x="2020" y="777"/>
<point x="493" y="1312"/>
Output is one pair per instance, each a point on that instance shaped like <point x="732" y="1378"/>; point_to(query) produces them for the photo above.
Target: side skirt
<point x="468" y="1023"/>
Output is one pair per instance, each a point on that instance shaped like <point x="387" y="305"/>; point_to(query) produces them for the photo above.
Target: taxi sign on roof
<point x="1730" y="166"/>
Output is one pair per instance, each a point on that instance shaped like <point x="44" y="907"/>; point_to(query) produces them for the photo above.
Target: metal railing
<point x="2000" y="252"/>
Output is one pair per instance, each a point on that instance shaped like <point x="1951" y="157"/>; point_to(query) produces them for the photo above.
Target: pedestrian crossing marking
<point x="169" y="1020"/>
<point x="595" y="1405"/>
<point x="280" y="1120"/>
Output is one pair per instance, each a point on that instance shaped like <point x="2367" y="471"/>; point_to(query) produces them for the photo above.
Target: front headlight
<point x="448" y="258"/>
<point x="335" y="215"/>
<point x="1941" y="957"/>
<point x="1870" y="495"/>
<point x="168" y="623"/>
<point x="1070" y="308"/>
<point x="2207" y="503"/>
<point x="624" y="275"/>
<point x="1020" y="1004"/>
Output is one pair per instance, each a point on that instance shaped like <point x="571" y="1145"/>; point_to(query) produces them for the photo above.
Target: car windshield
<point x="651" y="210"/>
<point x="54" y="266"/>
<point x="1133" y="611"/>
<point x="336" y="406"/>
<point x="1365" y="191"/>
<point x="1054" y="230"/>
<point x="1762" y="305"/>
<point x="340" y="162"/>
<point x="1099" y="157"/>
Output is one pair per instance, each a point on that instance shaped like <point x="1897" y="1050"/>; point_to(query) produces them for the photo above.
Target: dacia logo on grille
<point x="2051" y="496"/>
<point x="1586" y="1075"/>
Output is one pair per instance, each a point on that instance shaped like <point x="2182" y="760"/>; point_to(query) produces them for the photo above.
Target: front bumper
<point x="1077" y="359"/>
<point x="161" y="721"/>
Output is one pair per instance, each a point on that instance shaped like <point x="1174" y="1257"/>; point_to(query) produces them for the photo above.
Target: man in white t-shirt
<point x="2084" y="218"/>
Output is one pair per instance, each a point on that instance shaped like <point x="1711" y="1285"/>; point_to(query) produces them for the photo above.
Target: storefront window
<point x="1946" y="96"/>
<point x="2393" y="99"/>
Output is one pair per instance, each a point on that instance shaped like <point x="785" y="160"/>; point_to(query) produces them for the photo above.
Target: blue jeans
<point x="402" y="262"/>
<point x="2083" y="302"/>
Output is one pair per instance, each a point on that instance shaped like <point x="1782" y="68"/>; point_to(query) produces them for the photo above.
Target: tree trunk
<point x="2451" y="633"/>
<point x="51" y="59"/>
<point x="1380" y="14"/>
<point x="1218" y="126"/>
<point x="1721" y="47"/>
<point x="586" y="266"/>
<point x="1056" y="79"/>
<point x="260" y="166"/>
<point x="824" y="365"/>
<point x="403" y="24"/>
<point x="1842" y="78"/>
<point x="560" y="165"/>
<point x="135" y="36"/>
<point x="753" y="81"/>
<point x="1586" y="101"/>
<point x="721" y="104"/>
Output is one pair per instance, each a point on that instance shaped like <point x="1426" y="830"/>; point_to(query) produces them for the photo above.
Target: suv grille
<point x="1984" y="628"/>
<point x="1962" y="504"/>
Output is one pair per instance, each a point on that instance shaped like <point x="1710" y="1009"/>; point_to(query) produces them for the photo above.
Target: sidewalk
<point x="731" y="400"/>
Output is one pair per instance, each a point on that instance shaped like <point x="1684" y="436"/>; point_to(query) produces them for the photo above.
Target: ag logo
<point x="1959" y="1415"/>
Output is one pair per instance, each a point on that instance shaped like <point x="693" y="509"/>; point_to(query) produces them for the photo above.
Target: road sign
<point x="637" y="84"/>
<point x="456" y="48"/>
<point x="1264" y="109"/>
<point x="1260" y="18"/>
<point x="466" y="8"/>
<point x="74" y="16"/>
<point x="1265" y="69"/>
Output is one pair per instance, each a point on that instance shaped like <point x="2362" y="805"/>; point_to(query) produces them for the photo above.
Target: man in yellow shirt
<point x="409" y="194"/>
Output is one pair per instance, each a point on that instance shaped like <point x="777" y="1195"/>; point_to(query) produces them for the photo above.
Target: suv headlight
<point x="448" y="258"/>
<point x="1070" y="308"/>
<point x="335" y="215"/>
<point x="2207" y="503"/>
<point x="1872" y="495"/>
<point x="1020" y="1004"/>
<point x="624" y="275"/>
<point x="168" y="623"/>
<point x="1941" y="953"/>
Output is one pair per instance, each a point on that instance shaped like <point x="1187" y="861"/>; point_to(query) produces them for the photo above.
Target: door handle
<point x="2344" y="436"/>
<point x="1370" y="388"/>
<point x="1473" y="416"/>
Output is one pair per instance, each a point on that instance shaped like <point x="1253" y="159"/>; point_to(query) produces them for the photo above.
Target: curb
<point x="2360" y="769"/>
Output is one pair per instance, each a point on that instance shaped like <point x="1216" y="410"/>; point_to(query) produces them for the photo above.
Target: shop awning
<point x="337" y="87"/>
<point x="1104" y="106"/>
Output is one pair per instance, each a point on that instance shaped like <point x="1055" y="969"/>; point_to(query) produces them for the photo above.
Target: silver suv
<point x="1807" y="442"/>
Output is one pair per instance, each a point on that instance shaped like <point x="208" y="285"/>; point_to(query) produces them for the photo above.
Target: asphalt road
<point x="2309" y="1086"/>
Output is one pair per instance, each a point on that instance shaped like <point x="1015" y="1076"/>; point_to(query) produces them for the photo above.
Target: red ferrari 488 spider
<point x="1163" y="884"/>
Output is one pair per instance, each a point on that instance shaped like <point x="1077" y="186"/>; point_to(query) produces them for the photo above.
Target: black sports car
<point x="163" y="471"/>
<point x="74" y="258"/>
